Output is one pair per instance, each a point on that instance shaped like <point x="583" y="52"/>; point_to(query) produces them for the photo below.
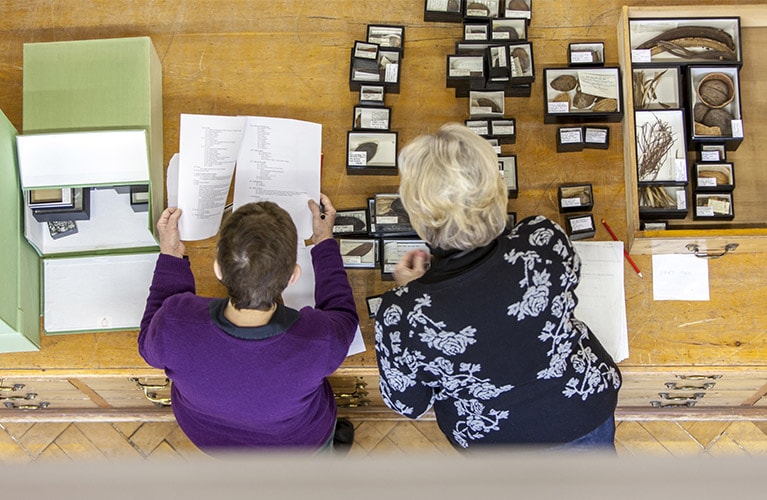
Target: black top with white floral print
<point x="497" y="349"/>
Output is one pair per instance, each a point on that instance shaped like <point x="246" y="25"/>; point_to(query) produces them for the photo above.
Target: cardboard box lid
<point x="90" y="84"/>
<point x="19" y="264"/>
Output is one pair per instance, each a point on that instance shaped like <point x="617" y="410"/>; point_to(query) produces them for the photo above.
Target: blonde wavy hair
<point x="452" y="190"/>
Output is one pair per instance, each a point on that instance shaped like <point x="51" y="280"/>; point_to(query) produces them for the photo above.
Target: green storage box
<point x="19" y="263"/>
<point x="92" y="118"/>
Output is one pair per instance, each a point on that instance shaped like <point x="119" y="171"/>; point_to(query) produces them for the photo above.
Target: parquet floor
<point x="148" y="441"/>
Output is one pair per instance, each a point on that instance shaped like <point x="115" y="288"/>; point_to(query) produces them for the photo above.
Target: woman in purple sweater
<point x="247" y="371"/>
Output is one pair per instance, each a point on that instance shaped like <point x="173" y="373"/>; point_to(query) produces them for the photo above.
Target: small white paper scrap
<point x="679" y="277"/>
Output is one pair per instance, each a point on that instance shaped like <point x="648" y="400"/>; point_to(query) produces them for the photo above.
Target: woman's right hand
<point x="411" y="266"/>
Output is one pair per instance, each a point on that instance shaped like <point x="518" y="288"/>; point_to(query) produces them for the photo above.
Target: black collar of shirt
<point x="446" y="264"/>
<point x="282" y="319"/>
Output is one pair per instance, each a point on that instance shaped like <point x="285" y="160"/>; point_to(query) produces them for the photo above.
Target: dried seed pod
<point x="346" y="220"/>
<point x="524" y="59"/>
<point x="517" y="5"/>
<point x="716" y="90"/>
<point x="564" y="83"/>
<point x="360" y="250"/>
<point x="478" y="7"/>
<point x="699" y="112"/>
<point x="722" y="179"/>
<point x="370" y="148"/>
<point x="513" y="35"/>
<point x="583" y="101"/>
<point x="563" y="97"/>
<point x="606" y="105"/>
<point x="485" y="102"/>
<point x="719" y="118"/>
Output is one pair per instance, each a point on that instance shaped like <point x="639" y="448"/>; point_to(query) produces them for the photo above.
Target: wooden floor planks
<point x="112" y="441"/>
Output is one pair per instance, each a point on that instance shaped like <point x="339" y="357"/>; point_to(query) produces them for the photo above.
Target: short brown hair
<point x="257" y="254"/>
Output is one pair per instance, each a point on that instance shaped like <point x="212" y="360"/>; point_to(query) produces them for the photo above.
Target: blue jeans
<point x="600" y="439"/>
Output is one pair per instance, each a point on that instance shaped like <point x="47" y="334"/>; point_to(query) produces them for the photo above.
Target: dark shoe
<point x="344" y="436"/>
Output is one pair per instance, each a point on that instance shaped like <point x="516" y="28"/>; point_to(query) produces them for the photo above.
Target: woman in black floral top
<point x="487" y="334"/>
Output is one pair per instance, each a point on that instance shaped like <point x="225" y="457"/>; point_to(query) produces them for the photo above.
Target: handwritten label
<point x="737" y="128"/>
<point x="387" y="219"/>
<point x="704" y="211"/>
<point x="559" y="107"/>
<point x="681" y="200"/>
<point x="581" y="57"/>
<point x="721" y="207"/>
<point x="680" y="165"/>
<point x="581" y="224"/>
<point x="440" y="5"/>
<point x="707" y="181"/>
<point x="481" y="110"/>
<point x="392" y="73"/>
<point x="641" y="56"/>
<point x="570" y="136"/>
<point x="358" y="158"/>
<point x="599" y="83"/>
<point x="709" y="156"/>
<point x="596" y="135"/>
<point x="352" y="259"/>
<point x="571" y="202"/>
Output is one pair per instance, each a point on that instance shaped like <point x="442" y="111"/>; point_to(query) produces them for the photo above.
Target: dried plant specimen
<point x="655" y="197"/>
<point x="645" y="89"/>
<point x="654" y="141"/>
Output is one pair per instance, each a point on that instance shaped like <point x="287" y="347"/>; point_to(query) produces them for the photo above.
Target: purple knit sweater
<point x="231" y="392"/>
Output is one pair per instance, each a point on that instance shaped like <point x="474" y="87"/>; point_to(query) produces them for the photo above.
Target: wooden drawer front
<point x="698" y="389"/>
<point x="83" y="393"/>
<point x="57" y="393"/>
<point x="130" y="392"/>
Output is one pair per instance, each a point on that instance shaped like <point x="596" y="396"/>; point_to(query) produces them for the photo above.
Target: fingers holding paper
<point x="323" y="218"/>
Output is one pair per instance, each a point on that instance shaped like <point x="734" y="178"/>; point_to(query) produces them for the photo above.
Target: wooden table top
<point x="291" y="59"/>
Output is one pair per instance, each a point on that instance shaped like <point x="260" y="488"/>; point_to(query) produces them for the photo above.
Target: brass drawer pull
<point x="150" y="395"/>
<point x="150" y="387"/>
<point x="38" y="406"/>
<point x="692" y="397"/>
<point x="30" y="395"/>
<point x="659" y="404"/>
<point x="699" y="377"/>
<point x="12" y="388"/>
<point x="703" y="387"/>
<point x="695" y="249"/>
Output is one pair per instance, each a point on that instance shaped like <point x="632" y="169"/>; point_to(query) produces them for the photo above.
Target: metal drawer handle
<point x="12" y="388"/>
<point x="152" y="396"/>
<point x="149" y="394"/>
<point x="38" y="406"/>
<point x="703" y="387"/>
<point x="699" y="377"/>
<point x="692" y="397"/>
<point x="30" y="395"/>
<point x="150" y="387"/>
<point x="659" y="404"/>
<point x="694" y="248"/>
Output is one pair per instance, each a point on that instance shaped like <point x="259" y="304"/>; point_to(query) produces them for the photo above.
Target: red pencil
<point x="625" y="253"/>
